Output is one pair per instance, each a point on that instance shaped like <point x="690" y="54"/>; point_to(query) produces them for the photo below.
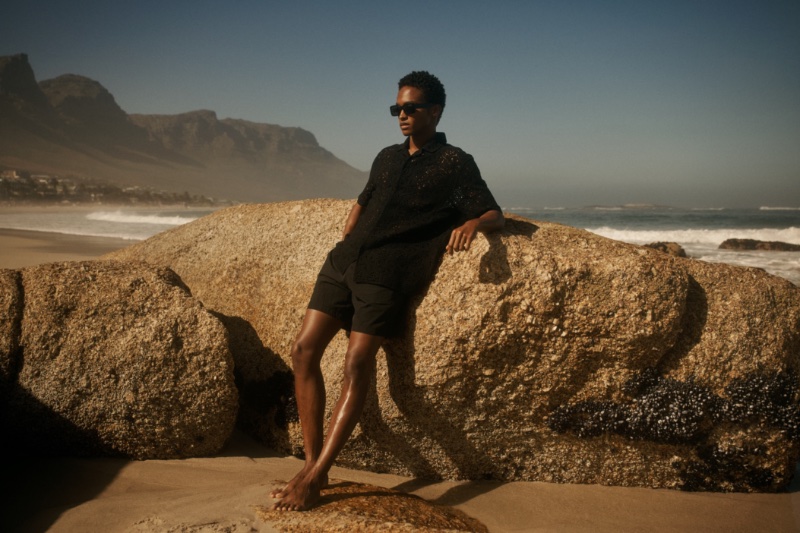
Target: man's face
<point x="423" y="121"/>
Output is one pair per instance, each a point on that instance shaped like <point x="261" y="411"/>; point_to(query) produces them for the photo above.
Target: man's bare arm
<point x="462" y="236"/>
<point x="352" y="219"/>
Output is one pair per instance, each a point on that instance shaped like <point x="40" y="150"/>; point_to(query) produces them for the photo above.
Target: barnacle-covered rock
<point x="543" y="353"/>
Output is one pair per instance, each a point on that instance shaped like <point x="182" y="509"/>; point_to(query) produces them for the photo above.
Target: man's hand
<point x="463" y="235"/>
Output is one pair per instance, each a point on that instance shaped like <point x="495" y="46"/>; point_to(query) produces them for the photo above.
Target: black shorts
<point x="362" y="307"/>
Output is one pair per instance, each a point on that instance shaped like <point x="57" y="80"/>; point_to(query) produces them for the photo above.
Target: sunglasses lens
<point x="408" y="109"/>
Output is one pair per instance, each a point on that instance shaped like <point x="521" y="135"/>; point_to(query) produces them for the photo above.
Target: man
<point x="423" y="198"/>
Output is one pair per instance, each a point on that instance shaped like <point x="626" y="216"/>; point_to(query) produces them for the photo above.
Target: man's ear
<point x="437" y="112"/>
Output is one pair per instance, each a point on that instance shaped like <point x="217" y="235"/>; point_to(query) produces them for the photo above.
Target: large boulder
<point x="115" y="358"/>
<point x="543" y="353"/>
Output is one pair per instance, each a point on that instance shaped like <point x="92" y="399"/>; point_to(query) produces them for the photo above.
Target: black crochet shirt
<point x="411" y="205"/>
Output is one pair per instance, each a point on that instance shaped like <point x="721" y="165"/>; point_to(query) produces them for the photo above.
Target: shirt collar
<point x="439" y="140"/>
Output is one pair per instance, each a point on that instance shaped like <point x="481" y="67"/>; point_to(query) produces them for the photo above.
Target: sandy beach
<point x="221" y="493"/>
<point x="20" y="248"/>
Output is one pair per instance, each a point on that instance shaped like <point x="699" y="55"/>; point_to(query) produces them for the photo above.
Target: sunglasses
<point x="408" y="109"/>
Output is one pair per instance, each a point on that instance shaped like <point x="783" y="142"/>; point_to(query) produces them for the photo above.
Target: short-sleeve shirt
<point x="411" y="205"/>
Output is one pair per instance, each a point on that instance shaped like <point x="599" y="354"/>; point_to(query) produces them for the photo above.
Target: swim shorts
<point x="362" y="307"/>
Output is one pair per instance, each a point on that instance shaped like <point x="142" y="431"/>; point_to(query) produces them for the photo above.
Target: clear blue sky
<point x="562" y="103"/>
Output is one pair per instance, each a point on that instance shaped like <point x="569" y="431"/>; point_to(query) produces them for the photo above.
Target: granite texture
<point x="346" y="507"/>
<point x="544" y="353"/>
<point x="117" y="358"/>
<point x="10" y="322"/>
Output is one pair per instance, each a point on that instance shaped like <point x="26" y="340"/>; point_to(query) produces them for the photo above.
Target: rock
<point x="18" y="81"/>
<point x="117" y="358"/>
<point x="671" y="248"/>
<point x="752" y="244"/>
<point x="84" y="101"/>
<point x="10" y="321"/>
<point x="347" y="506"/>
<point x="544" y="353"/>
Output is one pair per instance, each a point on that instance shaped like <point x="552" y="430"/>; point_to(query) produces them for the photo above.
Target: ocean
<point x="699" y="231"/>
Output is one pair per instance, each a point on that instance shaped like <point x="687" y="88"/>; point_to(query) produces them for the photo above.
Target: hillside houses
<point x="22" y="187"/>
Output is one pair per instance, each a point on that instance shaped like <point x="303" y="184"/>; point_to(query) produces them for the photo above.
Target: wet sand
<point x="20" y="248"/>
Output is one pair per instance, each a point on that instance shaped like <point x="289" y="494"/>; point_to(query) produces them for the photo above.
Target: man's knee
<point x="359" y="365"/>
<point x="305" y="355"/>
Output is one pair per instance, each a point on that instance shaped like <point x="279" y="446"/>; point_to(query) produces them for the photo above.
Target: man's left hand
<point x="462" y="236"/>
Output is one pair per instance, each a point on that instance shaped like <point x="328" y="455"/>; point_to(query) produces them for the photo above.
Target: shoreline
<point x="51" y="208"/>
<point x="24" y="248"/>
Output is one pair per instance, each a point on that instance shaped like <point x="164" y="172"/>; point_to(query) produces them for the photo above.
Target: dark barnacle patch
<point x="662" y="410"/>
<point x="770" y="398"/>
<point x="668" y="411"/>
<point x="671" y="412"/>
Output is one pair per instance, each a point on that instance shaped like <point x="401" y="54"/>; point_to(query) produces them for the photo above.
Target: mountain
<point x="71" y="125"/>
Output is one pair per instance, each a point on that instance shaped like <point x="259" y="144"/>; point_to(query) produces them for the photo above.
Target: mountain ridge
<point x="72" y="125"/>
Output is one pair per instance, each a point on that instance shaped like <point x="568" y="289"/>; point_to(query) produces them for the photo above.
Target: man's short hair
<point x="426" y="82"/>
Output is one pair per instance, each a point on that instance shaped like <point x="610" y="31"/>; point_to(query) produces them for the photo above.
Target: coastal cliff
<point x="71" y="125"/>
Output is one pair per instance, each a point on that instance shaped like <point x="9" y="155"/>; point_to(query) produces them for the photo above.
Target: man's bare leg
<point x="315" y="334"/>
<point x="303" y="492"/>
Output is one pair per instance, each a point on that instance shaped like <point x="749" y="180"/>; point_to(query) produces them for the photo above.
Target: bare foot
<point x="281" y="493"/>
<point x="302" y="494"/>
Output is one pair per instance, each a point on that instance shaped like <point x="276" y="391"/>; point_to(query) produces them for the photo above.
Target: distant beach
<point x="31" y="235"/>
<point x="21" y="248"/>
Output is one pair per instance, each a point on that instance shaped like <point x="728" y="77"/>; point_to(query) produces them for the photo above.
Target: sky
<point x="562" y="103"/>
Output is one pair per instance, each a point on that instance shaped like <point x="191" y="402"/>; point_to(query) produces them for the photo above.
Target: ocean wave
<point x="768" y="208"/>
<point x="133" y="218"/>
<point x="699" y="236"/>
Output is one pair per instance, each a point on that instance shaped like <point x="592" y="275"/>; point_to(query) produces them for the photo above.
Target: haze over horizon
<point x="692" y="104"/>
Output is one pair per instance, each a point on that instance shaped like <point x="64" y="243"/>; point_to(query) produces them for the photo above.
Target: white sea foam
<point x="713" y="237"/>
<point x="122" y="217"/>
<point x="704" y="244"/>
<point x="768" y="208"/>
<point x="129" y="225"/>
